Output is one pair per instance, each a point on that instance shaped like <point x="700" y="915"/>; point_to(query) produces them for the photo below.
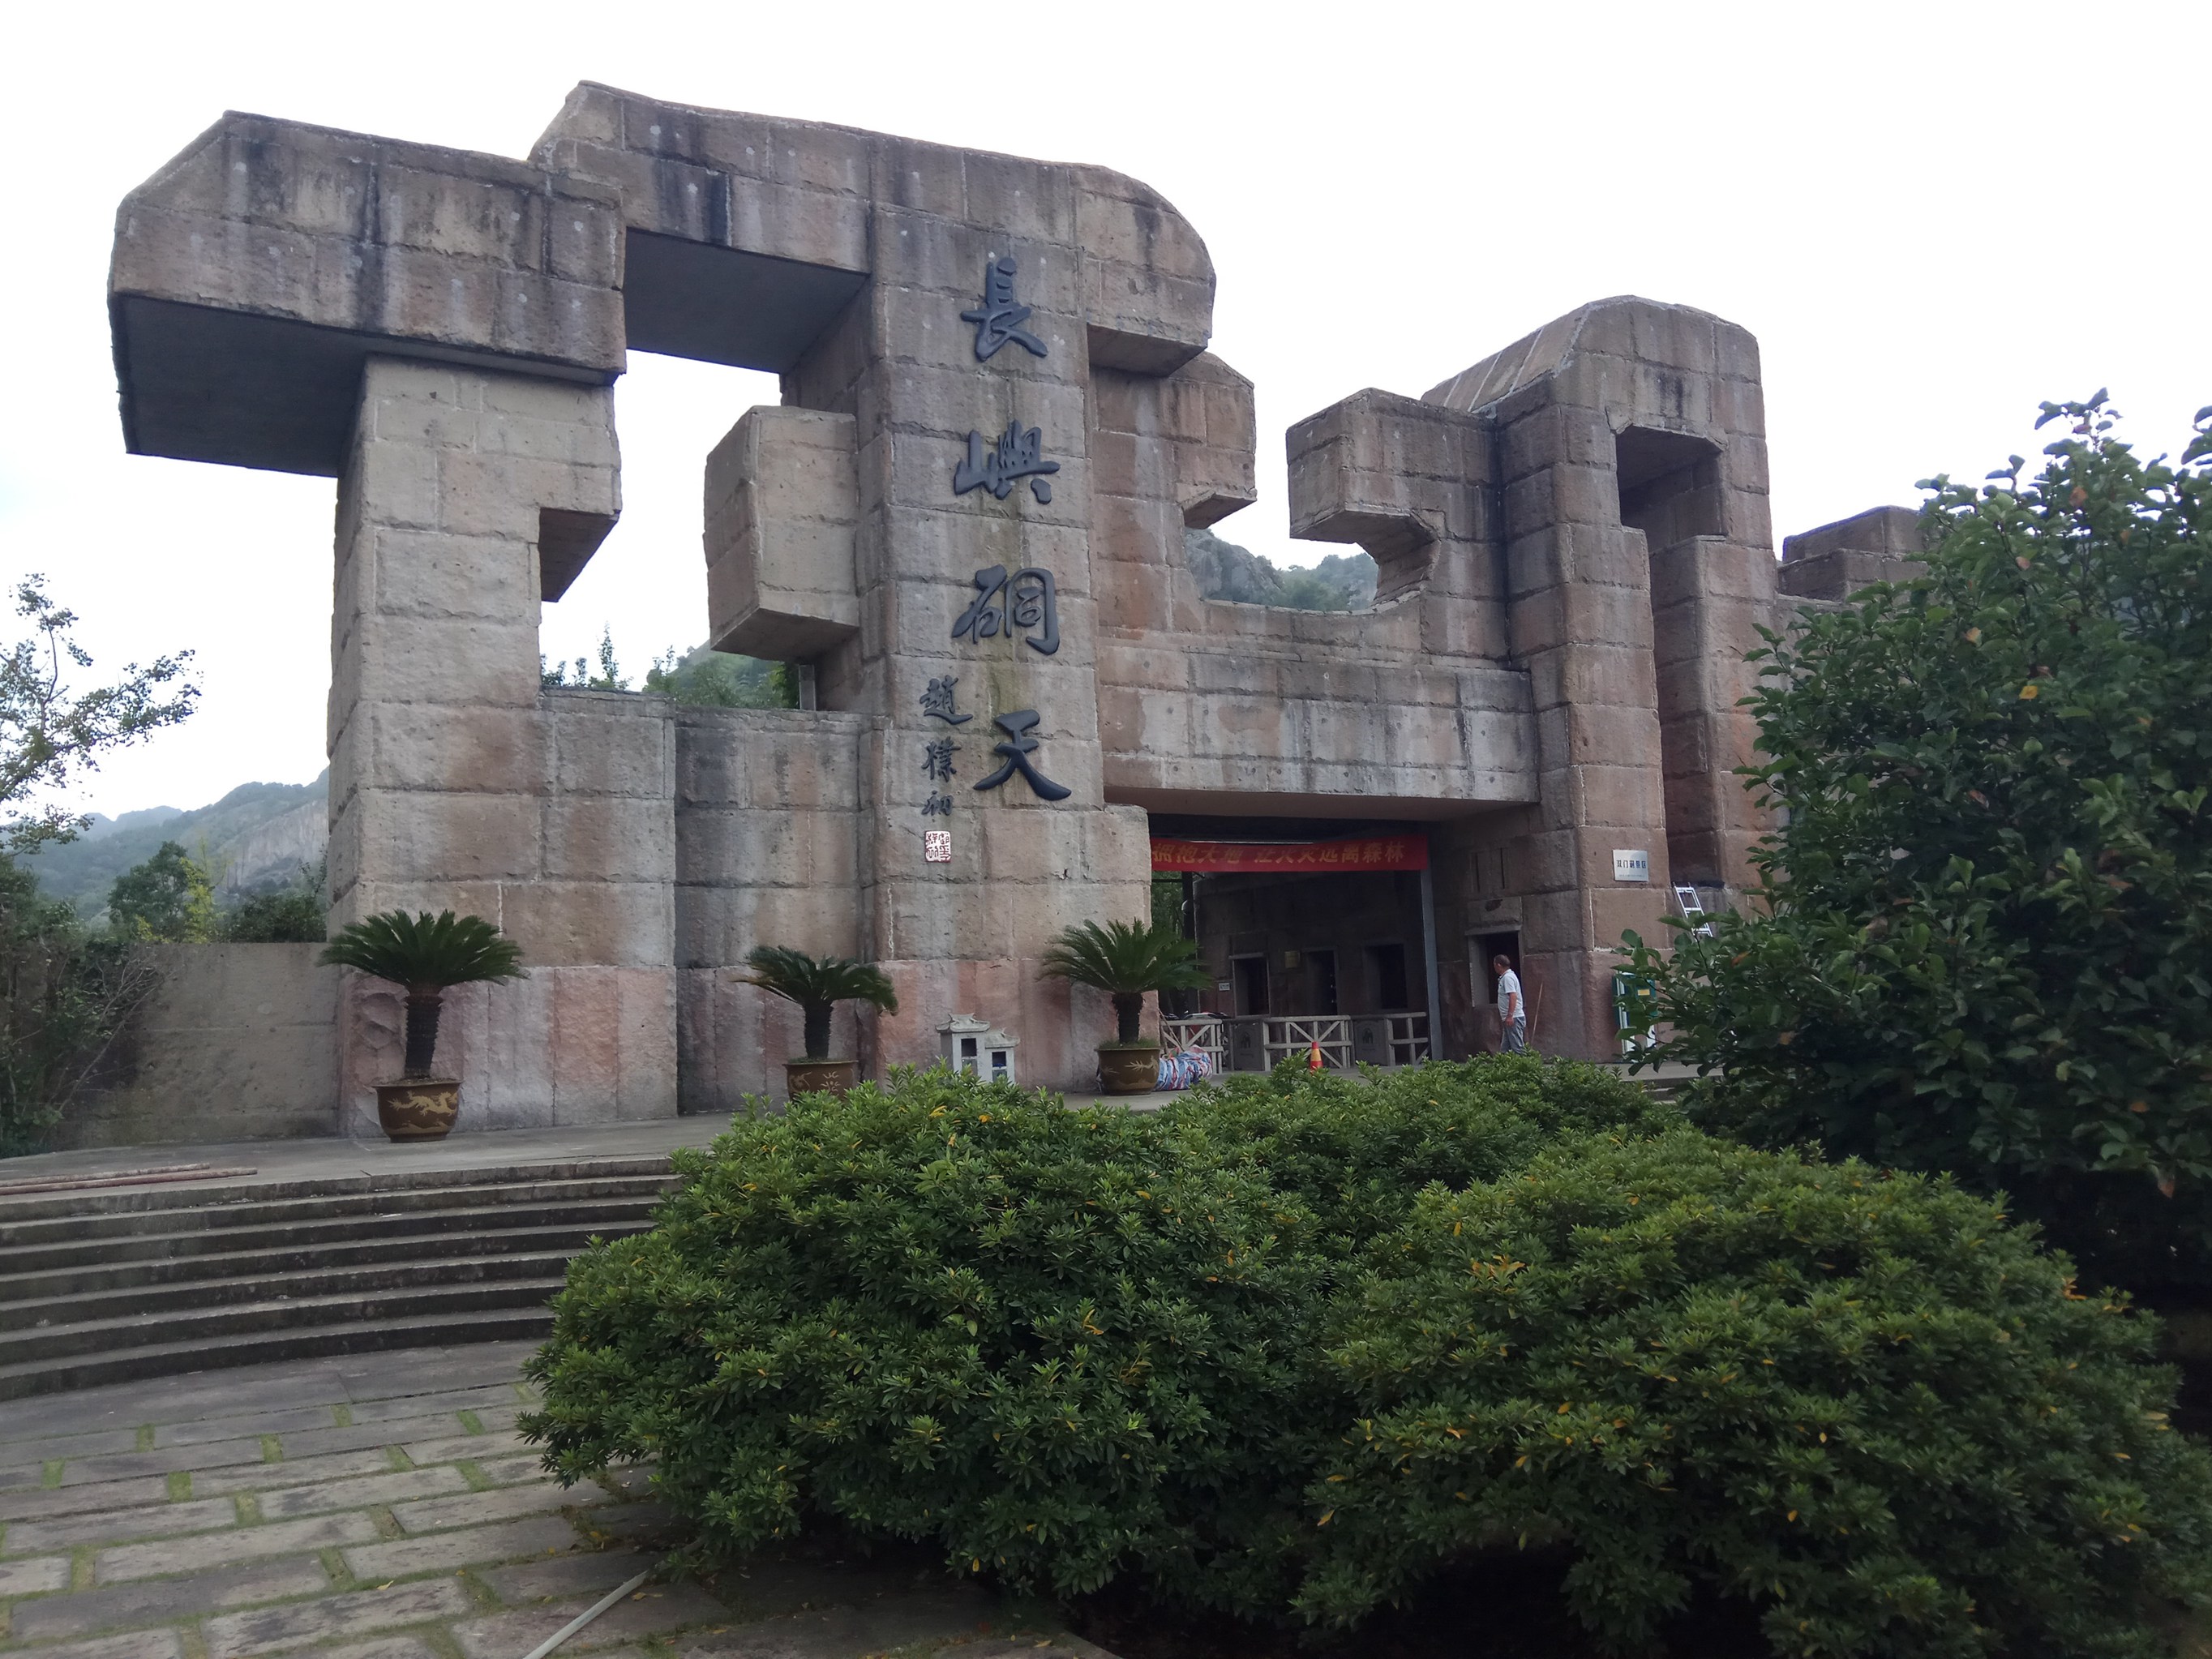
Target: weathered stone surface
<point x="30" y="1577"/>
<point x="158" y="1601"/>
<point x="33" y="1500"/>
<point x="113" y="1526"/>
<point x="1880" y="544"/>
<point x="655" y="1613"/>
<point x="475" y="1585"/>
<point x="246" y="1032"/>
<point x="128" y="1561"/>
<point x="396" y="1487"/>
<point x="267" y="1477"/>
<point x="135" y="1644"/>
<point x="782" y="513"/>
<point x="235" y="1636"/>
<point x="1571" y="539"/>
<point x="475" y="1507"/>
<point x="444" y="1552"/>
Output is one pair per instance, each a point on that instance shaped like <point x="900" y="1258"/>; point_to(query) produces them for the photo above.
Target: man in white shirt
<point x="1512" y="1011"/>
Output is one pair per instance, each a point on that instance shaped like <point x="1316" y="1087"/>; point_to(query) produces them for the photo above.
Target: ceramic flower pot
<point x="1134" y="1069"/>
<point x="820" y="1077"/>
<point x="418" y="1108"/>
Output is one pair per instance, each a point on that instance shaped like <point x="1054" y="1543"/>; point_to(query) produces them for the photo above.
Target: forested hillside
<point x="256" y="838"/>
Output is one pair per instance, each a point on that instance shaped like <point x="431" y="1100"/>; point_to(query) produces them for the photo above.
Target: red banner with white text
<point x="1305" y="857"/>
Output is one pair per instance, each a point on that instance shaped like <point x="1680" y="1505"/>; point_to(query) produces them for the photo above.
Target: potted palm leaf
<point x="1126" y="959"/>
<point x="817" y="985"/>
<point x="423" y="955"/>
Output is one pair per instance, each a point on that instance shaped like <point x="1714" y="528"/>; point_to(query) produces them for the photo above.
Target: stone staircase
<point x="111" y="1285"/>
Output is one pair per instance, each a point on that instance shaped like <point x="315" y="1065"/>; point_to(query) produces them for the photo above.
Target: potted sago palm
<point x="1126" y="959"/>
<point x="424" y="956"/>
<point x="817" y="985"/>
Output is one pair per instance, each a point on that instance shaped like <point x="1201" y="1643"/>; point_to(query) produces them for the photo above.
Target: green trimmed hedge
<point x="1294" y="1344"/>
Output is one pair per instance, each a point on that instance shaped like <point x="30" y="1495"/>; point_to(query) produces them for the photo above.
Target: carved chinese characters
<point x="1025" y="602"/>
<point x="999" y="319"/>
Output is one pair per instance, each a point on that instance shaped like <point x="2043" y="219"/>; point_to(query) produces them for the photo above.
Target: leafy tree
<point x="166" y="900"/>
<point x="425" y="955"/>
<point x="1125" y="959"/>
<point x="65" y="995"/>
<point x="1982" y="939"/>
<point x="293" y="915"/>
<point x="701" y="677"/>
<point x="50" y="732"/>
<point x="817" y="985"/>
<point x="707" y="678"/>
<point x="610" y="677"/>
<point x="1296" y="1344"/>
<point x="1167" y="903"/>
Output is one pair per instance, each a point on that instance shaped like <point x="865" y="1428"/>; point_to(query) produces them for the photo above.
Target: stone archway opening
<point x="1670" y="494"/>
<point x="1314" y="934"/>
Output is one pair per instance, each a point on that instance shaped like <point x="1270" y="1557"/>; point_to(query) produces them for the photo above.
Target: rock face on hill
<point x="1341" y="582"/>
<point x="258" y="837"/>
<point x="274" y="854"/>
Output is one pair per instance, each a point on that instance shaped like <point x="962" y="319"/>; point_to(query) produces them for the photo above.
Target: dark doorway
<point x="1486" y="947"/>
<point x="1386" y="968"/>
<point x="1251" y="977"/>
<point x="1321" y="980"/>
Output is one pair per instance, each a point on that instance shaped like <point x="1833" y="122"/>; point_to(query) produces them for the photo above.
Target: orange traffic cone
<point x="1313" y="1056"/>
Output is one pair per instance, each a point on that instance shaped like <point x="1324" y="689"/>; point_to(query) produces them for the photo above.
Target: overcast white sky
<point x="1933" y="215"/>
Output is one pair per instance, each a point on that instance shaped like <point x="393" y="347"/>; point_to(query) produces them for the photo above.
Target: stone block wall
<point x="1620" y="423"/>
<point x="768" y="836"/>
<point x="1571" y="537"/>
<point x="458" y="782"/>
<point x="236" y="1042"/>
<point x="1207" y="706"/>
<point x="1882" y="545"/>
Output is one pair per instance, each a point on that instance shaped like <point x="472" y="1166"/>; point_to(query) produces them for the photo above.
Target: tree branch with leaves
<point x="51" y="732"/>
<point x="1981" y="939"/>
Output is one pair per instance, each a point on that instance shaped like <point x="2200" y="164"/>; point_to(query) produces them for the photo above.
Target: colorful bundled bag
<point x="1180" y="1071"/>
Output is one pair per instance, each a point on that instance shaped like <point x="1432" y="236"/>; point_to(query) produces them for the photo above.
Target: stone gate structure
<point x="965" y="521"/>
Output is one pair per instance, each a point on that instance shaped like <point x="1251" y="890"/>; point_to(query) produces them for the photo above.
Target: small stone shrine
<point x="965" y="523"/>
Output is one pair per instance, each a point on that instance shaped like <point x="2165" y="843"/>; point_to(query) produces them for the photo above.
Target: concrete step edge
<point x="92" y="1278"/>
<point x="209" y="1324"/>
<point x="293" y="1286"/>
<point x="21" y="1381"/>
<point x="221" y="1218"/>
<point x="30" y="1206"/>
<point x="62" y="1254"/>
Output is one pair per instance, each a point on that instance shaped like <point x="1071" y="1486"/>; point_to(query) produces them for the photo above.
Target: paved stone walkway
<point x="383" y="1507"/>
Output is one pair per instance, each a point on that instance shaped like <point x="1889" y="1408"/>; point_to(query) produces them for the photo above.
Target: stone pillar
<point x="1579" y="590"/>
<point x="1632" y="461"/>
<point x="965" y="936"/>
<point x="456" y="783"/>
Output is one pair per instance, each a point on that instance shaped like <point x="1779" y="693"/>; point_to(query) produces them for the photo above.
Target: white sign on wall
<point x="1631" y="864"/>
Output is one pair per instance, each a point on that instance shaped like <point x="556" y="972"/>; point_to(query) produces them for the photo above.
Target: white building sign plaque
<point x="1631" y="864"/>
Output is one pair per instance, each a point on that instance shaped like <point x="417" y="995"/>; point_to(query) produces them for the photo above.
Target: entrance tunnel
<point x="1317" y="937"/>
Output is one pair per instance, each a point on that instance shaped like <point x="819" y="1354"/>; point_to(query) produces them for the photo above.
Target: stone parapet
<point x="1882" y="545"/>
